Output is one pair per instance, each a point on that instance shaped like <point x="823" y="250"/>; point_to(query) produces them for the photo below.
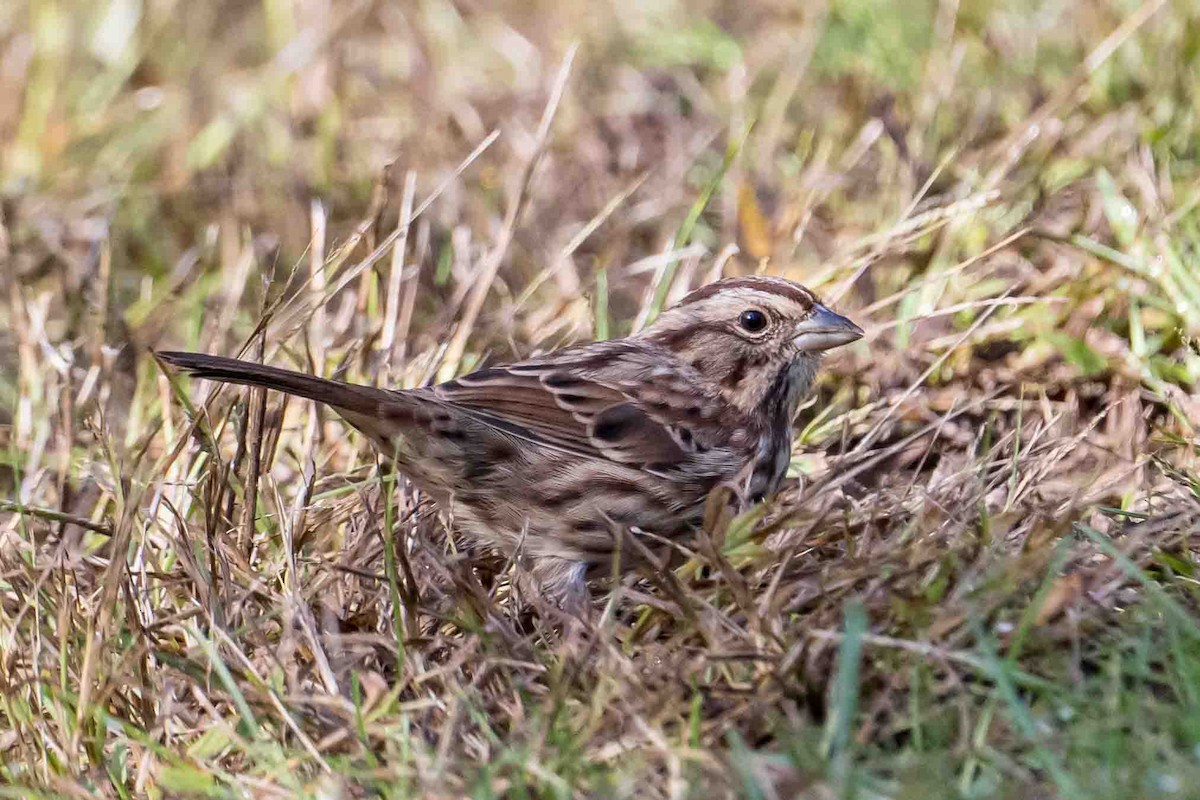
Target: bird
<point x="543" y="459"/>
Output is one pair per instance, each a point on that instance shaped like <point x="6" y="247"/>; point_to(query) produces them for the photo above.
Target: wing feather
<point x="563" y="409"/>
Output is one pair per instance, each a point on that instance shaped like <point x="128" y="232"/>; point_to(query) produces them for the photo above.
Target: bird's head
<point x="746" y="335"/>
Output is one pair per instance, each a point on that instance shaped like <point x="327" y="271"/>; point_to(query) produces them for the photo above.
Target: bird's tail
<point x="364" y="400"/>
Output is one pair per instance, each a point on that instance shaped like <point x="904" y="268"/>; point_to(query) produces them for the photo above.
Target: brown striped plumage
<point x="545" y="458"/>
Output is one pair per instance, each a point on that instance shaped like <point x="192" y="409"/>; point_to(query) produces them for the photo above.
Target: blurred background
<point x="1004" y="195"/>
<point x="187" y="144"/>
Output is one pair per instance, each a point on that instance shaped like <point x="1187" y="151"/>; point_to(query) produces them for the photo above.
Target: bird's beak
<point x="824" y="330"/>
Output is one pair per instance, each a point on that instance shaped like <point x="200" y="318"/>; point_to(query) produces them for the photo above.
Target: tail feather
<point x="341" y="396"/>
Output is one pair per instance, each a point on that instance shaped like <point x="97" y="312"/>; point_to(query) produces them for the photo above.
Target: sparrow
<point x="541" y="458"/>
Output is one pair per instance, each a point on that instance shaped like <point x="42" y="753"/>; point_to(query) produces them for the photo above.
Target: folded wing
<point x="561" y="409"/>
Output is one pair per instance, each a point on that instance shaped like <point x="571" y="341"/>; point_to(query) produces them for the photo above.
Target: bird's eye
<point x="752" y="320"/>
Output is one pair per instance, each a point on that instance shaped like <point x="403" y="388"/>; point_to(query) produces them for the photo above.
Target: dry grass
<point x="981" y="584"/>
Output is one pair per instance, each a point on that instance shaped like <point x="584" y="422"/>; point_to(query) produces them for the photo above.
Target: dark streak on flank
<point x="614" y="487"/>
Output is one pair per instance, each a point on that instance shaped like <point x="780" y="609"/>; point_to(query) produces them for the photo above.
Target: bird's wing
<point x="557" y="404"/>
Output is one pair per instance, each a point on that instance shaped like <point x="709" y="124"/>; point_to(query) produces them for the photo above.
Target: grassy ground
<point x="981" y="584"/>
